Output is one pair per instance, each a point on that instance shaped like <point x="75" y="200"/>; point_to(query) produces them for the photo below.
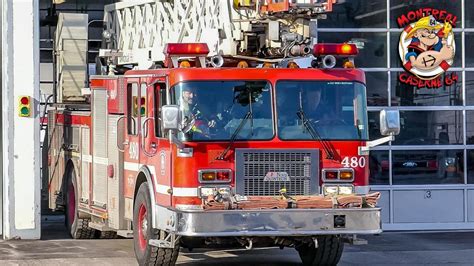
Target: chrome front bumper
<point x="276" y="222"/>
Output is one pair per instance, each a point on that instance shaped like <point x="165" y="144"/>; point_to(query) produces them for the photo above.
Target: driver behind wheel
<point x="192" y="114"/>
<point x="314" y="108"/>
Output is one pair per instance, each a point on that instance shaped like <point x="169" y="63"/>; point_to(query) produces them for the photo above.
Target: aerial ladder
<point x="136" y="32"/>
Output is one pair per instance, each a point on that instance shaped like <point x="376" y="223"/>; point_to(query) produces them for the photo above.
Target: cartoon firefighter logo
<point x="427" y="47"/>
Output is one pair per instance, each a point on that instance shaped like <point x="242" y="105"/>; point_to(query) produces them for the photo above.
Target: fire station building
<point x="426" y="175"/>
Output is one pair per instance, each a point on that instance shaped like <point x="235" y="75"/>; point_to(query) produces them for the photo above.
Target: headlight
<point x="205" y="192"/>
<point x="346" y="190"/>
<point x="330" y="190"/>
<point x="333" y="190"/>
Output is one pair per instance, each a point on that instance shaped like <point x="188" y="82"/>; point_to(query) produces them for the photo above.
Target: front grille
<point x="301" y="166"/>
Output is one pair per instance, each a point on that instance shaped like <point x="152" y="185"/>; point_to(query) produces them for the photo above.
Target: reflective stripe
<point x="131" y="166"/>
<point x="159" y="188"/>
<point x="162" y="189"/>
<point x="185" y="192"/>
<point x="188" y="207"/>
<point x="86" y="158"/>
<point x="101" y="160"/>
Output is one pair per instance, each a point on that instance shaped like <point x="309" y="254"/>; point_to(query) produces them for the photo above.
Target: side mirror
<point x="389" y="122"/>
<point x="170" y="116"/>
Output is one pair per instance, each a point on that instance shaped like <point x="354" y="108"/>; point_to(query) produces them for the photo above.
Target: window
<point x="469" y="12"/>
<point x="377" y="93"/>
<point x="356" y="14"/>
<point x="218" y="110"/>
<point x="428" y="167"/>
<point x="310" y="110"/>
<point x="372" y="46"/>
<point x="132" y="108"/>
<point x="470" y="166"/>
<point x="379" y="164"/>
<point x="159" y="101"/>
<point x="374" y="125"/>
<point x="430" y="128"/>
<point x="408" y="95"/>
<point x="469" y="88"/>
<point x="470" y="127"/>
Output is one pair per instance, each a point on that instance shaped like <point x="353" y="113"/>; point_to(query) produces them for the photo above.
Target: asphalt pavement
<point x="392" y="248"/>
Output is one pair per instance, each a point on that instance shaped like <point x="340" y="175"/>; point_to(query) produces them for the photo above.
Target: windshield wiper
<point x="313" y="132"/>
<point x="248" y="115"/>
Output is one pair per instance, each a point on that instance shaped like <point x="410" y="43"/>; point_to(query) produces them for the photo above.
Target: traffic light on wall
<point x="143" y="106"/>
<point x="24" y="106"/>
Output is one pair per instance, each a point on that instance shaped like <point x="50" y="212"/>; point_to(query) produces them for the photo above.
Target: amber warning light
<point x="336" y="49"/>
<point x="24" y="106"/>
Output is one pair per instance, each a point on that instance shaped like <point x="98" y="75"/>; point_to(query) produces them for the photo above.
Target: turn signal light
<point x="345" y="175"/>
<point x="208" y="176"/>
<point x="24" y="106"/>
<point x="267" y="65"/>
<point x="184" y="64"/>
<point x="334" y="175"/>
<point x="331" y="175"/>
<point x="342" y="49"/>
<point x="186" y="49"/>
<point x="215" y="175"/>
<point x="348" y="64"/>
<point x="242" y="64"/>
<point x="293" y="64"/>
<point x="223" y="176"/>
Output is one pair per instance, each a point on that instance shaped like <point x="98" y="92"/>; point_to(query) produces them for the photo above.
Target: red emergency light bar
<point x="336" y="49"/>
<point x="186" y="49"/>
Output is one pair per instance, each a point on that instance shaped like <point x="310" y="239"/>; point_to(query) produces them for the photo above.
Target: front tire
<point x="329" y="251"/>
<point x="77" y="228"/>
<point x="143" y="232"/>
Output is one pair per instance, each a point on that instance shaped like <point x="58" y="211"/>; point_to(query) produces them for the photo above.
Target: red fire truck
<point x="235" y="155"/>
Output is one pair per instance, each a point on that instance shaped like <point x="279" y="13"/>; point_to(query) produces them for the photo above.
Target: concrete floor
<point x="388" y="249"/>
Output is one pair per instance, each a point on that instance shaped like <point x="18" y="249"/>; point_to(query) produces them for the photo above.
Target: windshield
<point x="217" y="110"/>
<point x="335" y="110"/>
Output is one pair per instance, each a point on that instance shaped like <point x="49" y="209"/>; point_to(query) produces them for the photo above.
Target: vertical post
<point x="1" y="120"/>
<point x="20" y="135"/>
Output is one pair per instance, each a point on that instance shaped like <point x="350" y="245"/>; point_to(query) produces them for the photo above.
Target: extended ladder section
<point x="70" y="54"/>
<point x="136" y="32"/>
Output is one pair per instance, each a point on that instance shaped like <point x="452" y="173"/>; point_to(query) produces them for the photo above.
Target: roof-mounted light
<point x="175" y="51"/>
<point x="337" y="49"/>
<point x="189" y="49"/>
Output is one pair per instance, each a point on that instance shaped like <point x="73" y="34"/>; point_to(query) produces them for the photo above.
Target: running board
<point x="125" y="233"/>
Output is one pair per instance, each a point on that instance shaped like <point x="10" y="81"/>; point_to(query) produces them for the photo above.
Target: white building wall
<point x="20" y="135"/>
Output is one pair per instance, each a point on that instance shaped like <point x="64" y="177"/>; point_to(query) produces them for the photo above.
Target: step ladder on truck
<point x="204" y="129"/>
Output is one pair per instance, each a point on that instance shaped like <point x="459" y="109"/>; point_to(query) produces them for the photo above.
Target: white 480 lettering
<point x="353" y="162"/>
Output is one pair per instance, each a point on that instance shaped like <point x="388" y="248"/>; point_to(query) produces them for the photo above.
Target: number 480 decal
<point x="353" y="162"/>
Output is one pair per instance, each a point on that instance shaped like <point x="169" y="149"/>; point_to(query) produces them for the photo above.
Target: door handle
<point x="117" y="141"/>
<point x="145" y="135"/>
